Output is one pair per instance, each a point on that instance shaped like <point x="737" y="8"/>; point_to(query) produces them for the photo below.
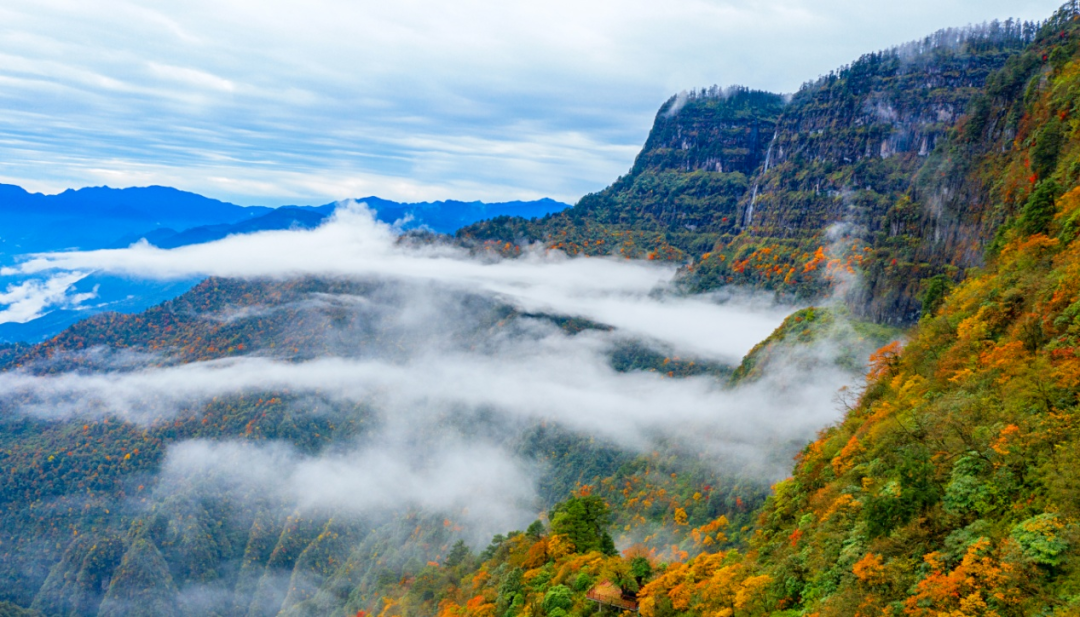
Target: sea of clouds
<point x="435" y="399"/>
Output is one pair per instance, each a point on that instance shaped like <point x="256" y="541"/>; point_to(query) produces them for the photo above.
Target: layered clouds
<point x="620" y="293"/>
<point x="31" y="298"/>
<point x="449" y="358"/>
<point x="491" y="488"/>
<point x="286" y="102"/>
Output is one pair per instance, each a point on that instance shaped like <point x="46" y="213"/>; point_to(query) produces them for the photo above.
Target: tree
<point x="936" y="289"/>
<point x="535" y="530"/>
<point x="558" y="597"/>
<point x="584" y="521"/>
<point x="458" y="554"/>
<point x="1040" y="208"/>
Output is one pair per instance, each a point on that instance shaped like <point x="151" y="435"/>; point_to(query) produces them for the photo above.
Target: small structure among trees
<point x="610" y="594"/>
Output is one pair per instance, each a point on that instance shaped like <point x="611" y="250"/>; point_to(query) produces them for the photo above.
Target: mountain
<point x="858" y="168"/>
<point x="443" y="217"/>
<point x="95" y="217"/>
<point x="948" y="487"/>
<point x="239" y="546"/>
<point x="446" y="217"/>
<point x="101" y="217"/>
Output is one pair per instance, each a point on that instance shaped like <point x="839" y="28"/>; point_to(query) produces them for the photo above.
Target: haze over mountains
<point x="96" y="218"/>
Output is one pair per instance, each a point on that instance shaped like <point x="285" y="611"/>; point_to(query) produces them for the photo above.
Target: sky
<point x="281" y="101"/>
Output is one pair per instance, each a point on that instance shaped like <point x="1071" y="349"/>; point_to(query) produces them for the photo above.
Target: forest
<point x="917" y="212"/>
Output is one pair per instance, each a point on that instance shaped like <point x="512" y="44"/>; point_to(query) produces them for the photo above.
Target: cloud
<point x="483" y="481"/>
<point x="537" y="374"/>
<point x="618" y="292"/>
<point x="408" y="100"/>
<point x="447" y="375"/>
<point x="30" y="299"/>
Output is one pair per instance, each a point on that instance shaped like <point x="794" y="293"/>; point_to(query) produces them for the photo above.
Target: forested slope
<point x="89" y="526"/>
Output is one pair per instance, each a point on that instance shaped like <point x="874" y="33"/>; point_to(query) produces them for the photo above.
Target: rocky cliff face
<point x="869" y="152"/>
<point x="871" y="126"/>
<point x="872" y="169"/>
<point x="711" y="130"/>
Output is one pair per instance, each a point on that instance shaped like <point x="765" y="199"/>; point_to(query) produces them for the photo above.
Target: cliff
<point x="871" y="169"/>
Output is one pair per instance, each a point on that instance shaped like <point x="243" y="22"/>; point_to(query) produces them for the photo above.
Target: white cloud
<point x="528" y="377"/>
<point x="446" y="380"/>
<point x="487" y="483"/>
<point x="32" y="298"/>
<point x="616" y="292"/>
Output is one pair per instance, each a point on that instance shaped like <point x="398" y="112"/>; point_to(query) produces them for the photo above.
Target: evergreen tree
<point x="584" y="520"/>
<point x="1040" y="208"/>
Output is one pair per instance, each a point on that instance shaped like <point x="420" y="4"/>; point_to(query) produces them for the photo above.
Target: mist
<point x="540" y="374"/>
<point x="477" y="483"/>
<point x="625" y="294"/>
<point x="441" y="361"/>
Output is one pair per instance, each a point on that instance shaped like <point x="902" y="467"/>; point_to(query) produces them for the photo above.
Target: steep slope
<point x="683" y="191"/>
<point x="948" y="488"/>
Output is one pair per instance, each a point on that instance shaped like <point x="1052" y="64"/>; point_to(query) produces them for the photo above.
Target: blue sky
<point x="275" y="102"/>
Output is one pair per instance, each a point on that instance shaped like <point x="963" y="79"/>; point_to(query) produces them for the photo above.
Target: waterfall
<point x="753" y="194"/>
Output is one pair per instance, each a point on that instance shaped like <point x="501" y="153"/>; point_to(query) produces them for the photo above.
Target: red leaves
<point x="883" y="360"/>
<point x="795" y="536"/>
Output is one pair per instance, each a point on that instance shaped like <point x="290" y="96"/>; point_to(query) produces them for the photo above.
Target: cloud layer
<point x="485" y="482"/>
<point x="31" y="298"/>
<point x="285" y="102"/>
<point x="452" y="357"/>
<point x="617" y="292"/>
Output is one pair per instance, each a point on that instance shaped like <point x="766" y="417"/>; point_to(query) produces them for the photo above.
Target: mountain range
<point x="105" y="218"/>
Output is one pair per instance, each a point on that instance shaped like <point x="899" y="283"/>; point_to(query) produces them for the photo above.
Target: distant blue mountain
<point x="94" y="218"/>
<point x="103" y="217"/>
<point x="449" y="216"/>
<point x="438" y="216"/>
<point x="285" y="217"/>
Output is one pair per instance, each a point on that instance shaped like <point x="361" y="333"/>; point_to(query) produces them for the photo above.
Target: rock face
<point x="876" y="164"/>
<point x="711" y="130"/>
<point x="872" y="151"/>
